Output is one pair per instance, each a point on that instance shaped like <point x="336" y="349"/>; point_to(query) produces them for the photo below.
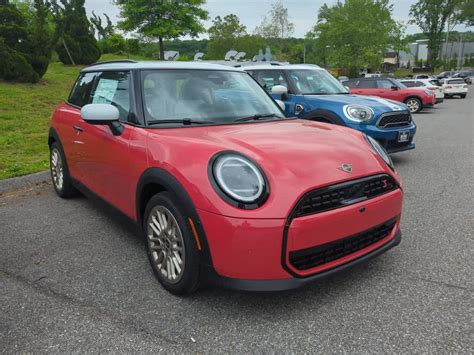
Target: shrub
<point x="15" y="67"/>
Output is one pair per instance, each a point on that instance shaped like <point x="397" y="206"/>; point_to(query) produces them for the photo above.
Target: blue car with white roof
<point x="310" y="92"/>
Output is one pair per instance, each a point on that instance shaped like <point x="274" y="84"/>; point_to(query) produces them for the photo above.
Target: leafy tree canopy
<point x="347" y="36"/>
<point x="277" y="25"/>
<point x="228" y="27"/>
<point x="162" y="19"/>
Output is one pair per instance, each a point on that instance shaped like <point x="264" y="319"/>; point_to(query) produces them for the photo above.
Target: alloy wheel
<point x="166" y="244"/>
<point x="413" y="105"/>
<point x="57" y="170"/>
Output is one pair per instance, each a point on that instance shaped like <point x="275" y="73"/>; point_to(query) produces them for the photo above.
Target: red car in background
<point x="387" y="88"/>
<point x="225" y="187"/>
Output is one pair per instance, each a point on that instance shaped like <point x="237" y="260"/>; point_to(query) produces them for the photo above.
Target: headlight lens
<point x="239" y="178"/>
<point x="380" y="151"/>
<point x="358" y="113"/>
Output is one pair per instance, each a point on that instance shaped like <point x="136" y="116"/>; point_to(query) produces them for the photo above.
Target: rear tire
<point x="414" y="105"/>
<point x="62" y="181"/>
<point x="463" y="96"/>
<point x="170" y="244"/>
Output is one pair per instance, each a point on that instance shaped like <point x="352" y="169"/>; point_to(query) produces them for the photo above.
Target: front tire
<point x="62" y="181"/>
<point x="463" y="96"/>
<point x="170" y="244"/>
<point x="414" y="105"/>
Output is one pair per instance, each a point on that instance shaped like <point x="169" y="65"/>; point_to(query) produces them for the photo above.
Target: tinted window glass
<point x="350" y="83"/>
<point x="80" y="94"/>
<point x="409" y="84"/>
<point x="384" y="84"/>
<point x="203" y="95"/>
<point x="456" y="81"/>
<point x="316" y="82"/>
<point x="113" y="88"/>
<point x="270" y="78"/>
<point x="419" y="83"/>
<point x="367" y="84"/>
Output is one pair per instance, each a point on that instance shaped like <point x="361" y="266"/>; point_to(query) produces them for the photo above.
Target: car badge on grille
<point x="346" y="167"/>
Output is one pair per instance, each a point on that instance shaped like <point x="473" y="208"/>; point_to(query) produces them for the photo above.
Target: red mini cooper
<point x="226" y="188"/>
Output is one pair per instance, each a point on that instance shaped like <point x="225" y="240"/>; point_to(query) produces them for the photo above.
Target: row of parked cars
<point x="253" y="187"/>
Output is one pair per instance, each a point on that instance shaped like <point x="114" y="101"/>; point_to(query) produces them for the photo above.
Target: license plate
<point x="403" y="136"/>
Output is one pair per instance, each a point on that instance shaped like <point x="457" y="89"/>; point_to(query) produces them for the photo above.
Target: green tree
<point x="347" y="36"/>
<point x="14" y="45"/>
<point x="398" y="40"/>
<point x="102" y="31"/>
<point x="41" y="37"/>
<point x="277" y="25"/>
<point x="74" y="37"/>
<point x="162" y="19"/>
<point x="431" y="16"/>
<point x="228" y="27"/>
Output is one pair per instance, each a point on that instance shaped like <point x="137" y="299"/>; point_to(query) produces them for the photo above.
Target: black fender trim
<point x="327" y="115"/>
<point x="54" y="136"/>
<point x="171" y="184"/>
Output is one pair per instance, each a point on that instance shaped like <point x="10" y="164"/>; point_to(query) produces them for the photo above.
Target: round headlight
<point x="239" y="178"/>
<point x="380" y="151"/>
<point x="358" y="113"/>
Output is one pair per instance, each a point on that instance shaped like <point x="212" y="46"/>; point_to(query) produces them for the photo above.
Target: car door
<point x="366" y="87"/>
<point x="68" y="126"/>
<point x="385" y="89"/>
<point x="104" y="158"/>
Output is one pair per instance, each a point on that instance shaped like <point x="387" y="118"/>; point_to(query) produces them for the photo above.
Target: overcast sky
<point x="303" y="13"/>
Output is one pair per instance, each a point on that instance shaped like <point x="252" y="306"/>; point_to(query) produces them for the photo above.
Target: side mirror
<point x="281" y="104"/>
<point x="102" y="114"/>
<point x="281" y="91"/>
<point x="394" y="87"/>
<point x="347" y="88"/>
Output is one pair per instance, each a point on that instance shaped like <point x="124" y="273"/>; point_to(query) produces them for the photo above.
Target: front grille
<point x="308" y="258"/>
<point x="395" y="120"/>
<point x="345" y="194"/>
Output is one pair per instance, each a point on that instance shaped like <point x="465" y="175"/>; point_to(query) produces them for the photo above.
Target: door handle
<point x="78" y="129"/>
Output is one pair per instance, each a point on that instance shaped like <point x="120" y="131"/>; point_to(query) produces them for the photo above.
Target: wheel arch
<point x="324" y="115"/>
<point x="156" y="180"/>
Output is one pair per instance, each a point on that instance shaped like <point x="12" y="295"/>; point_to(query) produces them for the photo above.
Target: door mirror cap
<point x="281" y="104"/>
<point x="280" y="90"/>
<point x="100" y="113"/>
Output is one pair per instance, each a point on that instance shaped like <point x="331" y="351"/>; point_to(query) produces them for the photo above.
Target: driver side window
<point x="113" y="88"/>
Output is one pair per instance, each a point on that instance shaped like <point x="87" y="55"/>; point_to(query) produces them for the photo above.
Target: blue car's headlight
<point x="358" y="113"/>
<point x="380" y="151"/>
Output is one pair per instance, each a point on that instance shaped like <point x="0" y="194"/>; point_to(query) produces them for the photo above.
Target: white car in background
<point x="426" y="84"/>
<point x="455" y="87"/>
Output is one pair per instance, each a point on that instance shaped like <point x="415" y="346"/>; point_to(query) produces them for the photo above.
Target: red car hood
<point x="296" y="156"/>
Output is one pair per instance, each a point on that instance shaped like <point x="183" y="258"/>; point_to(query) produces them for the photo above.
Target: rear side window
<point x="80" y="94"/>
<point x="384" y="84"/>
<point x="269" y="78"/>
<point x="350" y="83"/>
<point x="368" y="84"/>
<point x="113" y="88"/>
<point x="409" y="84"/>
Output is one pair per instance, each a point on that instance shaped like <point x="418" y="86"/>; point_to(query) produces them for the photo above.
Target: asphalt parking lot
<point x="74" y="277"/>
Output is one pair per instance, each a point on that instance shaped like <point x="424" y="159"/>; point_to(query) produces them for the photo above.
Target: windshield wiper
<point x="184" y="121"/>
<point x="256" y="117"/>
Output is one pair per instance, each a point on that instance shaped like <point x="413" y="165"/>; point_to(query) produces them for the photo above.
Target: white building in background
<point x="419" y="51"/>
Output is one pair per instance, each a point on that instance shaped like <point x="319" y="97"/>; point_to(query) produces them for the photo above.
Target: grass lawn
<point x="25" y="111"/>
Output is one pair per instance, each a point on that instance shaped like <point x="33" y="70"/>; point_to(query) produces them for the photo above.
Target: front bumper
<point x="439" y="99"/>
<point x="254" y="254"/>
<point x="388" y="137"/>
<point x="288" y="284"/>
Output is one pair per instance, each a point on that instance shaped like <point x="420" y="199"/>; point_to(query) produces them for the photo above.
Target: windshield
<point x="204" y="96"/>
<point x="316" y="82"/>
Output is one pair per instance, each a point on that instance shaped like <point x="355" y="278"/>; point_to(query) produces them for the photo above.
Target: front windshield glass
<point x="316" y="82"/>
<point x="204" y="96"/>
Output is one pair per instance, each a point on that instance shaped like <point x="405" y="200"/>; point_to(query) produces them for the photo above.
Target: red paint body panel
<point x="398" y="95"/>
